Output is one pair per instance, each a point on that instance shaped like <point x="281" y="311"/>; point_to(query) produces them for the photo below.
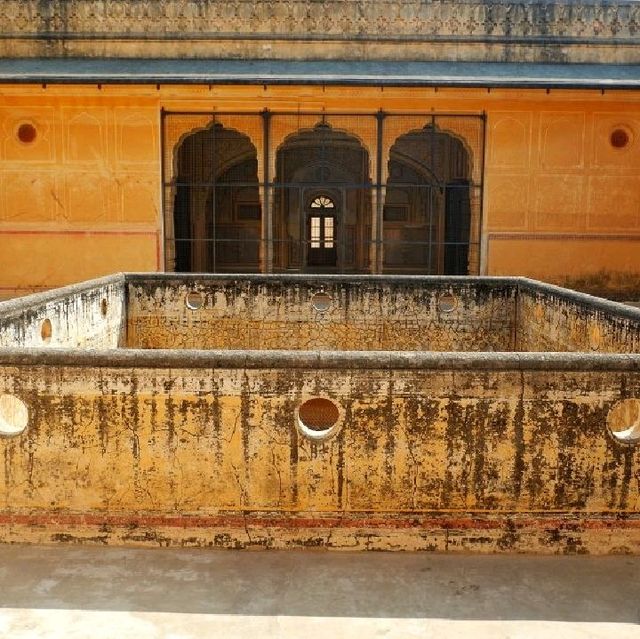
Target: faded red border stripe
<point x="570" y="522"/>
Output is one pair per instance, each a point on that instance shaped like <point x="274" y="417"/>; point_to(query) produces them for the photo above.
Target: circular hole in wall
<point x="321" y="301"/>
<point x="318" y="417"/>
<point x="104" y="307"/>
<point x="447" y="303"/>
<point x="14" y="415"/>
<point x="46" y="330"/>
<point x="623" y="421"/>
<point x="27" y="133"/>
<point x="595" y="337"/>
<point x="619" y="138"/>
<point x="194" y="300"/>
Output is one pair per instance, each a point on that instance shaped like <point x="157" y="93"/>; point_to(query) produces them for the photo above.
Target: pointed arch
<point x="314" y="163"/>
<point x="427" y="208"/>
<point x="217" y="210"/>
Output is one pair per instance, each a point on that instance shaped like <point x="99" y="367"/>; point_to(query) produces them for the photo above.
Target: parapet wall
<point x="550" y="318"/>
<point x="447" y="456"/>
<point x="87" y="315"/>
<point x="319" y="313"/>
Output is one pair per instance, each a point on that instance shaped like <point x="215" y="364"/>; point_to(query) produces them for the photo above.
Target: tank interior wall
<point x="367" y="314"/>
<point x="553" y="319"/>
<point x="150" y="449"/>
<point x="88" y="315"/>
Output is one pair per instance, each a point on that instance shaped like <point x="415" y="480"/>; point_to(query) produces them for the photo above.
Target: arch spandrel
<point x="364" y="129"/>
<point x="470" y="133"/>
<point x="251" y="126"/>
<point x="176" y="129"/>
<point x="322" y="131"/>
<point x="468" y="130"/>
<point x="180" y="127"/>
<point x="283" y="127"/>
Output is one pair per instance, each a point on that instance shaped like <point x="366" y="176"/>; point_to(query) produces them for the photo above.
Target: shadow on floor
<point x="322" y="584"/>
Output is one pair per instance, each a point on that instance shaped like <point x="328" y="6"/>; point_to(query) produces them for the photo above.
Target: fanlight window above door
<point x="322" y="202"/>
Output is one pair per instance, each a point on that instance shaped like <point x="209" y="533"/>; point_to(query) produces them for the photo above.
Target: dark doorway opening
<point x="322" y="212"/>
<point x="217" y="210"/>
<point x="426" y="212"/>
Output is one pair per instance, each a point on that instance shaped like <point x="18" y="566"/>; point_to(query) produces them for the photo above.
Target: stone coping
<point x="318" y="360"/>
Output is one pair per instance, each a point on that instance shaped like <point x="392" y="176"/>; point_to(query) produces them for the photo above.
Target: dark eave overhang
<point x="318" y="72"/>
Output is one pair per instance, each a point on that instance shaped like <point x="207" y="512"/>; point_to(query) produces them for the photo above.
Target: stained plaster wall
<point x="88" y="315"/>
<point x="400" y="314"/>
<point x="435" y="451"/>
<point x="554" y="319"/>
<point x="449" y="455"/>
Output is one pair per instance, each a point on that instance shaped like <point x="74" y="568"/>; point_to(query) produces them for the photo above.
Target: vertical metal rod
<point x="483" y="256"/>
<point x="213" y="196"/>
<point x="432" y="193"/>
<point x="304" y="231"/>
<point x="376" y="266"/>
<point x="163" y="201"/>
<point x="267" y="235"/>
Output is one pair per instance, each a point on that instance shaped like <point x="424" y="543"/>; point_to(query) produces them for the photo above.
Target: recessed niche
<point x="46" y="330"/>
<point x="447" y="303"/>
<point x="194" y="300"/>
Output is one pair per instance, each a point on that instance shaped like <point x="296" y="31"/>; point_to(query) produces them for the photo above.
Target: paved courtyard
<point x="79" y="592"/>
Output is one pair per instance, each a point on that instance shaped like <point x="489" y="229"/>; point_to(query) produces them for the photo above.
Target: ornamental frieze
<point x="346" y="19"/>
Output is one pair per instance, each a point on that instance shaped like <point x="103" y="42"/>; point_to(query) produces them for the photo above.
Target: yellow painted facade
<point x="560" y="201"/>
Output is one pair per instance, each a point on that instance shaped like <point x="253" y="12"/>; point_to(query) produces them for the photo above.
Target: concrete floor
<point x="114" y="593"/>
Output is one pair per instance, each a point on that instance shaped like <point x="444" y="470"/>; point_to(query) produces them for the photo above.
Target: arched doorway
<point x="427" y="212"/>
<point x="217" y="210"/>
<point x="322" y="203"/>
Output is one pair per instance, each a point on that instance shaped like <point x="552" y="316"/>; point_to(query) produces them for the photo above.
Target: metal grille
<point x="406" y="192"/>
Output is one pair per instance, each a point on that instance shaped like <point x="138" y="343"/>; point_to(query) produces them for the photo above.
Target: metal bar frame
<point x="268" y="186"/>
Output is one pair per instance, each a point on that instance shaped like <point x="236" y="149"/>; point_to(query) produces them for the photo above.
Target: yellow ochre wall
<point x="84" y="199"/>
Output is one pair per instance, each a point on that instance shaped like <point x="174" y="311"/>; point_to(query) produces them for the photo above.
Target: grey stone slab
<point x="337" y="72"/>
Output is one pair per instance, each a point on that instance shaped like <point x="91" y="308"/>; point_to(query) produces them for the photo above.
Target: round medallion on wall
<point x="26" y="133"/>
<point x="621" y="137"/>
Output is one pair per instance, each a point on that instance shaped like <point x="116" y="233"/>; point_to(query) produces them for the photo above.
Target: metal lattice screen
<point x="402" y="193"/>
